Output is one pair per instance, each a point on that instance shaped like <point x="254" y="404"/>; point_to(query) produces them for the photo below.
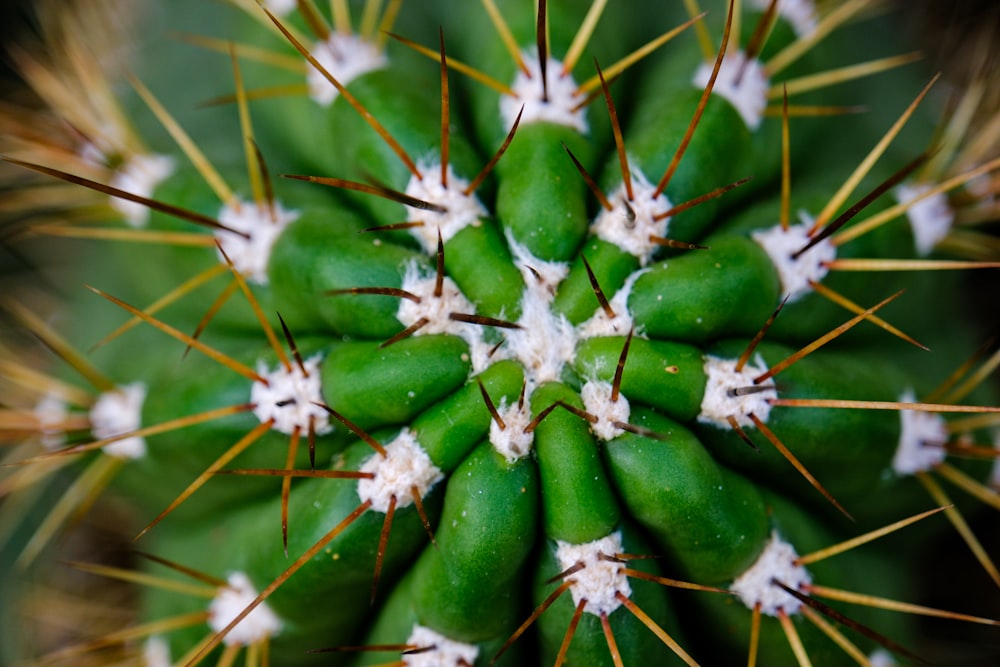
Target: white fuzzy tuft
<point x="882" y="658"/>
<point x="562" y="97"/>
<point x="601" y="578"/>
<point x="541" y="276"/>
<point x="756" y="585"/>
<point x="443" y="652"/>
<point x="406" y="465"/>
<point x="280" y="8"/>
<point x="230" y="601"/>
<point x="251" y="255"/>
<point x="800" y="14"/>
<point x="601" y="325"/>
<point x="436" y="310"/>
<point x="545" y="342"/>
<point x="718" y="403"/>
<point x="345" y="57"/>
<point x="747" y="94"/>
<point x="50" y="411"/>
<point x="462" y="210"/>
<point x="921" y="436"/>
<point x="139" y="175"/>
<point x="930" y="215"/>
<point x="117" y="412"/>
<point x="511" y="441"/>
<point x="290" y="397"/>
<point x="156" y="652"/>
<point x="795" y="274"/>
<point x="629" y="227"/>
<point x="597" y="401"/>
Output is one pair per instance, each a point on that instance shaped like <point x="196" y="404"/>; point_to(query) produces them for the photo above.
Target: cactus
<point x="512" y="332"/>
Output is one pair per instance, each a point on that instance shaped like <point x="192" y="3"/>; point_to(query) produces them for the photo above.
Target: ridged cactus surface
<point x="508" y="332"/>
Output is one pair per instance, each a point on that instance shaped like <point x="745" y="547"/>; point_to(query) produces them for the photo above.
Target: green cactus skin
<point x="519" y="395"/>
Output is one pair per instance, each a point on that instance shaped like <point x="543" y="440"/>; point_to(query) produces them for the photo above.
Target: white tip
<point x="630" y="226"/>
<point x="718" y="403"/>
<point x="290" y="397"/>
<point x="461" y="210"/>
<point x="511" y="441"/>
<point x="251" y="255"/>
<point x="921" y="435"/>
<point x="747" y="94"/>
<point x="443" y="652"/>
<point x="795" y="273"/>
<point x="116" y="412"/>
<point x="930" y="216"/>
<point x="230" y="601"/>
<point x="601" y="578"/>
<point x="558" y="108"/>
<point x="139" y="175"/>
<point x="597" y="401"/>
<point x="776" y="562"/>
<point x="405" y="466"/>
<point x="345" y="57"/>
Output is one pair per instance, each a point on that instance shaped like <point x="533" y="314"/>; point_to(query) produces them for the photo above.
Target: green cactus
<point x="451" y="334"/>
